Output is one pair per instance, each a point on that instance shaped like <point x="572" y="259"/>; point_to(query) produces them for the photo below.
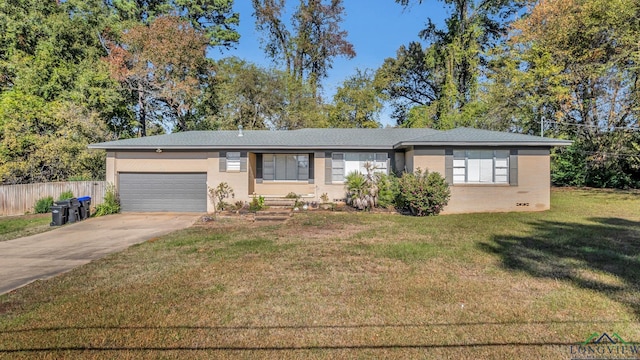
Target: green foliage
<point x="257" y="204"/>
<point x="66" y="195"/>
<point x="43" y="205"/>
<point x="324" y="197"/>
<point x="362" y="189"/>
<point x="357" y="103"/>
<point x="258" y="98"/>
<point x="581" y="165"/>
<point x="388" y="190"/>
<point x="423" y="193"/>
<point x="569" y="167"/>
<point x="309" y="45"/>
<point x="219" y="194"/>
<point x="111" y="204"/>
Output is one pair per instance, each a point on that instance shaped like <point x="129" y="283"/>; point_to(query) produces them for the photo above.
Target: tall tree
<point x="56" y="96"/>
<point x="163" y="64"/>
<point x="579" y="73"/>
<point x="213" y="17"/>
<point x="455" y="55"/>
<point x="357" y="103"/>
<point x="159" y="56"/>
<point x="310" y="43"/>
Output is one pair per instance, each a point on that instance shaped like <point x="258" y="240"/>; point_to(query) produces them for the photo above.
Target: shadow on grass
<point x="603" y="255"/>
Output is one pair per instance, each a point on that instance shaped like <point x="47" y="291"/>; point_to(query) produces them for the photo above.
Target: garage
<point x="179" y="192"/>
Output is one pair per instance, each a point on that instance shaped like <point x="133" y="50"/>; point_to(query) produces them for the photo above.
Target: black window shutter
<point x="243" y="161"/>
<point x="327" y="168"/>
<point x="311" y="169"/>
<point x="223" y="161"/>
<point x="259" y="168"/>
<point x="513" y="167"/>
<point x="448" y="165"/>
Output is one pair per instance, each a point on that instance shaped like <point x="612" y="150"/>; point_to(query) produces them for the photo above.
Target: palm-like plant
<point x="362" y="190"/>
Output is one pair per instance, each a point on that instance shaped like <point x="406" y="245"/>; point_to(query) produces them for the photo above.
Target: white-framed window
<point x="233" y="161"/>
<point x="285" y="167"/>
<point x="481" y="166"/>
<point x="342" y="164"/>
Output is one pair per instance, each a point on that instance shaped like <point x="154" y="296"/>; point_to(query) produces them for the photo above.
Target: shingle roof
<point x="388" y="138"/>
<point x="471" y="136"/>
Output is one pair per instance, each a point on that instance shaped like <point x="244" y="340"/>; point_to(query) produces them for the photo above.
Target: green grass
<point x="13" y="227"/>
<point x="350" y="285"/>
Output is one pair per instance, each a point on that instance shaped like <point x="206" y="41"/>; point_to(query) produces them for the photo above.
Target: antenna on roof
<point x="240" y="130"/>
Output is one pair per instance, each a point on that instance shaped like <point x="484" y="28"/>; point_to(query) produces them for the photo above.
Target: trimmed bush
<point x="43" y="205"/>
<point x="423" y="194"/>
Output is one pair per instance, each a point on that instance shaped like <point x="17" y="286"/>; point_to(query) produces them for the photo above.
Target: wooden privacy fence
<point x="20" y="199"/>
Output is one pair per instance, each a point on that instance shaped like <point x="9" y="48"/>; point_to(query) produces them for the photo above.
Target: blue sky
<point x="376" y="28"/>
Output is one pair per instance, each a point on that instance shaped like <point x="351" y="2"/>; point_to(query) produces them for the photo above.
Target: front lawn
<point x="350" y="285"/>
<point x="13" y="227"/>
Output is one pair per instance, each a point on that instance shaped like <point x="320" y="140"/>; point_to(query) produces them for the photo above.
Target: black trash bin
<point x="58" y="215"/>
<point x="85" y="207"/>
<point x="73" y="209"/>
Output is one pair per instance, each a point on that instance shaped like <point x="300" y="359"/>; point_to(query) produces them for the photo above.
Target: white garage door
<point x="179" y="192"/>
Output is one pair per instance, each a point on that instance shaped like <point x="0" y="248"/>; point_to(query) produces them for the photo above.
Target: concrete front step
<point x="273" y="215"/>
<point x="279" y="202"/>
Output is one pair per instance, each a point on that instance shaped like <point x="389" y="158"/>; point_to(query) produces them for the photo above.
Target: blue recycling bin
<point x="85" y="207"/>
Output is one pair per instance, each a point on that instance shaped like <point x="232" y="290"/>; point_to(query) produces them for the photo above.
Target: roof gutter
<point x="406" y="144"/>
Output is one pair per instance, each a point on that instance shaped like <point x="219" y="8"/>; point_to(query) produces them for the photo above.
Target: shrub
<point x="423" y="194"/>
<point x="66" y="195"/>
<point x="43" y="205"/>
<point x="362" y="191"/>
<point x="111" y="204"/>
<point x="257" y="204"/>
<point x="388" y="190"/>
<point x="219" y="194"/>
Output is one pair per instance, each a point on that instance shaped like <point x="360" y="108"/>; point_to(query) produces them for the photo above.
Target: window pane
<point x="473" y="170"/>
<point x="233" y="161"/>
<point x="291" y="172"/>
<point x="351" y="166"/>
<point x="486" y="170"/>
<point x="502" y="154"/>
<point x="502" y="162"/>
<point x="337" y="167"/>
<point x="352" y="157"/>
<point x="458" y="171"/>
<point x="502" y="179"/>
<point x="458" y="163"/>
<point x="458" y="178"/>
<point x="268" y="167"/>
<point x="281" y="167"/>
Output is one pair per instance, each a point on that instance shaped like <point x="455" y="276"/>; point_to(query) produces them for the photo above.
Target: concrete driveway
<point x="45" y="255"/>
